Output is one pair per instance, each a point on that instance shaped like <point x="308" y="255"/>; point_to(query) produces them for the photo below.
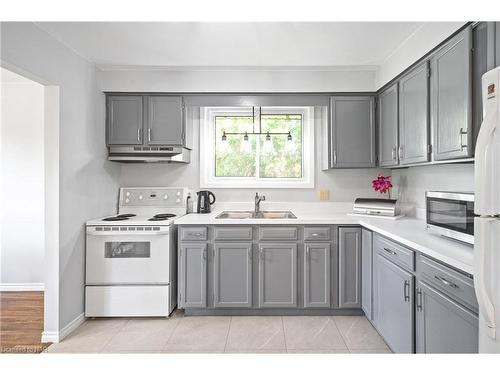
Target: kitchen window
<point x="257" y="147"/>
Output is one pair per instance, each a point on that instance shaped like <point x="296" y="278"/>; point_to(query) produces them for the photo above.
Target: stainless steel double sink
<point x="256" y="215"/>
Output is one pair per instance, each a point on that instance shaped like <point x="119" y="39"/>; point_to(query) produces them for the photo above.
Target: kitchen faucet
<point x="258" y="199"/>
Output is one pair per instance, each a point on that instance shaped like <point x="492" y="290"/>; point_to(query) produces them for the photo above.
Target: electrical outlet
<point x="324" y="195"/>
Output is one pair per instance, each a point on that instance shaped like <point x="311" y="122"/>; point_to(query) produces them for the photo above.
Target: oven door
<point x="451" y="216"/>
<point x="115" y="256"/>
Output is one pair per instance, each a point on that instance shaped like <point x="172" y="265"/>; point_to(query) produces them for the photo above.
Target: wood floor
<point x="21" y="322"/>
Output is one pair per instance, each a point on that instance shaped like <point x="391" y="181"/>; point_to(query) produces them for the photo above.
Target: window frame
<point x="207" y="149"/>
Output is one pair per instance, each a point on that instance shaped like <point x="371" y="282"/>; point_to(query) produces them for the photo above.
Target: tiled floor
<point x="218" y="334"/>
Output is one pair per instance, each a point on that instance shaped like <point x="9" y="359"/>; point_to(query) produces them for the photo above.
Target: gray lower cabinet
<point x="349" y="267"/>
<point x="124" y="120"/>
<point x="193" y="275"/>
<point x="451" y="98"/>
<point x="443" y="325"/>
<point x="388" y="124"/>
<point x="277" y="275"/>
<point x="232" y="275"/>
<point x="393" y="304"/>
<point x="352" y="132"/>
<point x="366" y="272"/>
<point x="414" y="116"/>
<point x="164" y="120"/>
<point x="317" y="274"/>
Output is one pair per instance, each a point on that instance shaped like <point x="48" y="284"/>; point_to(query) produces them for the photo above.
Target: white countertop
<point x="407" y="231"/>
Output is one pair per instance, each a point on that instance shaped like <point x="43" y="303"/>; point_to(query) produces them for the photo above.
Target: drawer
<point x="267" y="233"/>
<point x="397" y="253"/>
<point x="317" y="233"/>
<point x="194" y="233"/>
<point x="455" y="284"/>
<point x="232" y="233"/>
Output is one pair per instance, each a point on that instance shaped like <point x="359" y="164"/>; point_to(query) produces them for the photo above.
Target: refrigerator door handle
<point x="483" y="242"/>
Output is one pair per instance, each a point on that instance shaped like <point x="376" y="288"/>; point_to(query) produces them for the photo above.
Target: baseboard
<point x="54" y="336"/>
<point x="21" y="287"/>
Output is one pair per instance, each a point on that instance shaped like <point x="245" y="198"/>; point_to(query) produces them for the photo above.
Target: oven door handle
<point x="127" y="233"/>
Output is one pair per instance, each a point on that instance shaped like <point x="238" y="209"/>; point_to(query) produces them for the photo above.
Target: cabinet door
<point x="388" y="127"/>
<point x="480" y="62"/>
<point x="193" y="275"/>
<point x="349" y="267"/>
<point x="317" y="275"/>
<point x="352" y="131"/>
<point x="366" y="272"/>
<point x="496" y="42"/>
<point x="414" y="116"/>
<point x="164" y="124"/>
<point x="393" y="304"/>
<point x="124" y="120"/>
<point x="443" y="325"/>
<point x="277" y="275"/>
<point x="451" y="98"/>
<point x="233" y="275"/>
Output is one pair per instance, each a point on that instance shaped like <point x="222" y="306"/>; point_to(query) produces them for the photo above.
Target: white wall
<point x="412" y="183"/>
<point x="239" y="80"/>
<point x="344" y="185"/>
<point x="413" y="48"/>
<point x="88" y="183"/>
<point x="22" y="176"/>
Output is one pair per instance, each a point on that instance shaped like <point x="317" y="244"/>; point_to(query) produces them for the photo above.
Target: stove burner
<point x="163" y="216"/>
<point x="115" y="218"/>
<point x="126" y="215"/>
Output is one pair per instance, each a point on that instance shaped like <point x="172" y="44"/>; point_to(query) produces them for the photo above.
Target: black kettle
<point x="205" y="201"/>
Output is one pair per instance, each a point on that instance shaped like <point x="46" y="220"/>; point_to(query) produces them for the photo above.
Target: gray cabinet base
<point x="272" y="312"/>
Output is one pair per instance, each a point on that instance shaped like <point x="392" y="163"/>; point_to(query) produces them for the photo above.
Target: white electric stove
<point x="131" y="262"/>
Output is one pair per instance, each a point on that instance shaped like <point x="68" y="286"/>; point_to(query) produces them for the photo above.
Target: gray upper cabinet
<point x="442" y="325"/>
<point x="496" y="42"/>
<point x="366" y="272"/>
<point x="164" y="120"/>
<point x="451" y="98"/>
<point x="233" y="275"/>
<point x="352" y="132"/>
<point x="393" y="304"/>
<point x="388" y="127"/>
<point x="193" y="275"/>
<point x="414" y="116"/>
<point x="277" y="275"/>
<point x="124" y="120"/>
<point x="349" y="267"/>
<point x="317" y="274"/>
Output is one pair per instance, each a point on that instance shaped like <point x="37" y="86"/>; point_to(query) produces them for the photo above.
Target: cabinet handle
<point x="461" y="138"/>
<point x="400" y="152"/>
<point x="446" y="282"/>
<point x="406" y="290"/>
<point x="392" y="252"/>
<point x="205" y="254"/>
<point x="149" y="134"/>
<point x="393" y="153"/>
<point x="419" y="299"/>
<point x="334" y="157"/>
<point x="250" y="253"/>
<point x="138" y="135"/>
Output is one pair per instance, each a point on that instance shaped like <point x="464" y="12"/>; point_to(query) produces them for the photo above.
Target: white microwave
<point x="451" y="214"/>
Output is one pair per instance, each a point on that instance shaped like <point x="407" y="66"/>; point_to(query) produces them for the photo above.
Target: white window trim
<point x="207" y="151"/>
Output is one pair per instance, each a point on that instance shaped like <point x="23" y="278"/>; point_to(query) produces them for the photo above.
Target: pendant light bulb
<point x="224" y="144"/>
<point x="268" y="144"/>
<point x="289" y="144"/>
<point x="245" y="147"/>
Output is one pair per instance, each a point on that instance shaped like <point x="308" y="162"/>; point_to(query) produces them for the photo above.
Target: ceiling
<point x="239" y="45"/>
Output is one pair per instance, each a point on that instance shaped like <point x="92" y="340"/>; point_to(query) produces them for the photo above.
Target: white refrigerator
<point x="487" y="221"/>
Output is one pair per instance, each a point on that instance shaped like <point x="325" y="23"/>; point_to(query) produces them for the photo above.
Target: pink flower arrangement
<point x="382" y="184"/>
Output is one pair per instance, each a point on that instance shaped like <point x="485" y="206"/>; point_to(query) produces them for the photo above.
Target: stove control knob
<point x="178" y="200"/>
<point x="127" y="200"/>
<point x="178" y="194"/>
<point x="128" y="194"/>
<point x="165" y="196"/>
<point x="140" y="197"/>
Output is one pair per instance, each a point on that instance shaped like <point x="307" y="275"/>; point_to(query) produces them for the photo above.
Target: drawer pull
<point x="446" y="282"/>
<point x="316" y="234"/>
<point x="406" y="290"/>
<point x="419" y="299"/>
<point x="195" y="234"/>
<point x="392" y="252"/>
